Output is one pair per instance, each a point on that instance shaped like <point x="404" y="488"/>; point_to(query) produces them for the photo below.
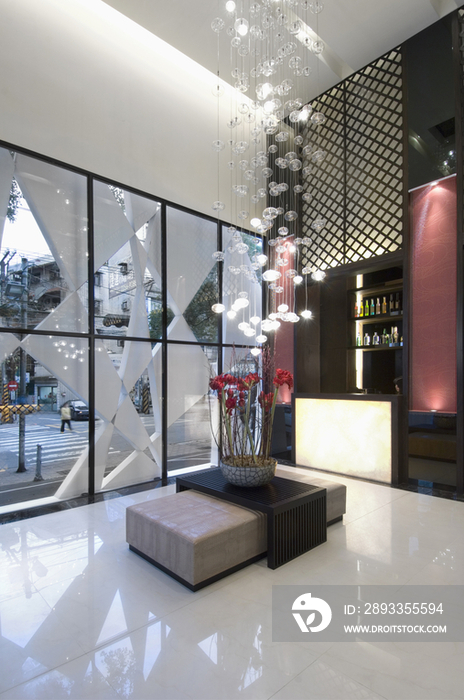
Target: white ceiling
<point x="355" y="32"/>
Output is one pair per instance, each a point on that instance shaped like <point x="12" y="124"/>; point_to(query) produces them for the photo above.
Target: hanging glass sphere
<point x="317" y="47"/>
<point x="298" y="140"/>
<point x="282" y="262"/>
<point x="274" y="191"/>
<point x="273" y="148"/>
<point x="272" y="242"/>
<point x="243" y="326"/>
<point x="283" y="231"/>
<point x="271" y="275"/>
<point x="307" y="70"/>
<point x="281" y="249"/>
<point x="243" y="214"/>
<point x="318" y="156"/>
<point x="318" y="118"/>
<point x="291" y="155"/>
<point x="266" y="325"/>
<point x="255" y="320"/>
<point x="292" y="317"/>
<point x="306" y="313"/>
<point x="307" y="270"/>
<point x="275" y="325"/>
<point x="297" y="189"/>
<point x="297" y="279"/>
<point x="294" y="116"/>
<point x="240" y="147"/>
<point x="281" y="163"/>
<point x="298" y="241"/>
<point x="307" y="240"/>
<point x="255" y="352"/>
<point x="294" y="62"/>
<point x="242" y="248"/>
<point x="318" y="224"/>
<point x="218" y="206"/>
<point x="248" y="174"/>
<point x="241" y="26"/>
<point x="278" y="289"/>
<point x="249" y="118"/>
<point x="218" y="145"/>
<point x="240" y="190"/>
<point x="232" y="230"/>
<point x="282" y="308"/>
<point x="291" y="215"/>
<point x="217" y="25"/>
<point x="218" y="308"/>
<point x="217" y="90"/>
<point x="306" y="172"/>
<point x="281" y="136"/>
<point x="261" y="338"/>
<point x="231" y="314"/>
<point x="235" y="42"/>
<point x="306" y="197"/>
<point x="219" y="256"/>
<point x="280" y="210"/>
<point x="295" y="164"/>
<point x="316" y="6"/>
<point x="231" y="164"/>
<point x="254" y="198"/>
<point x="260" y="258"/>
<point x="271" y="125"/>
<point x="249" y="332"/>
<point x="230" y="5"/>
<point x="234" y="270"/>
<point x="318" y="275"/>
<point x="270" y="213"/>
<point x="266" y="172"/>
<point x="291" y="273"/>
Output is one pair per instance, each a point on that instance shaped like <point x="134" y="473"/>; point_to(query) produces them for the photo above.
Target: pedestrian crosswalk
<point x="56" y="446"/>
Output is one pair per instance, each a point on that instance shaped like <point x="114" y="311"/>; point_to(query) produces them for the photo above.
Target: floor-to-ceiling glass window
<point x="43" y="277"/>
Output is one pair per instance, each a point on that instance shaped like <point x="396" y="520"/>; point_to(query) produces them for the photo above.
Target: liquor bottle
<point x="367" y="339"/>
<point x="376" y="339"/>
<point x="395" y="335"/>
<point x="358" y="340"/>
<point x="377" y="307"/>
<point x="384" y="337"/>
<point x="384" y="305"/>
<point x="372" y="308"/>
<point x="356" y="310"/>
<point x="401" y="340"/>
<point x="366" y="308"/>
<point x="397" y="302"/>
<point x="392" y="304"/>
<point x="361" y="309"/>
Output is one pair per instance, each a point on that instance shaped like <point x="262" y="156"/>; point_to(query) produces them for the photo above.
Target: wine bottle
<point x="361" y="309"/>
<point x="384" y="305"/>
<point x="367" y="339"/>
<point x="384" y="338"/>
<point x="376" y="339"/>
<point x="392" y="304"/>
<point x="366" y="308"/>
<point x="397" y="302"/>
<point x="372" y="308"/>
<point x="377" y="307"/>
<point x="395" y="335"/>
<point x="358" y="339"/>
<point x="356" y="310"/>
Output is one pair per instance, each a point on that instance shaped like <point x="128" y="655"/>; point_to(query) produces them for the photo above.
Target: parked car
<point x="79" y="410"/>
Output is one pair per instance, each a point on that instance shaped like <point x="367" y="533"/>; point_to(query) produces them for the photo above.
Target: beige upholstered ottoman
<point x="336" y="492"/>
<point x="196" y="538"/>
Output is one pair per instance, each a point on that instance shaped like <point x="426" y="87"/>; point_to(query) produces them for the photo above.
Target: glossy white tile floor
<point x="83" y="617"/>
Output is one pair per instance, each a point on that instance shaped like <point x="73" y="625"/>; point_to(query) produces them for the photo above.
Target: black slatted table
<point x="296" y="512"/>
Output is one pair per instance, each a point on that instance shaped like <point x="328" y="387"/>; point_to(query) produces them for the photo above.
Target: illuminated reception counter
<point x="350" y="434"/>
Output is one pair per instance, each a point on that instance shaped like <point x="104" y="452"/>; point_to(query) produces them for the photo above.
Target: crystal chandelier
<point x="272" y="48"/>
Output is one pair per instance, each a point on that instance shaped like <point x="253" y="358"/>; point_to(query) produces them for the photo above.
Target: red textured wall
<point x="433" y="297"/>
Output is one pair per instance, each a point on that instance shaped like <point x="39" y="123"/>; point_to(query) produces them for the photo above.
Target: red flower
<point x="217" y="383"/>
<point x="251" y="380"/>
<point x="282" y="377"/>
<point x="265" y="401"/>
<point x="231" y="403"/>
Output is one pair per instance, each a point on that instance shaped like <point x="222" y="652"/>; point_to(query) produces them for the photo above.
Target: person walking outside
<point x="65" y="416"/>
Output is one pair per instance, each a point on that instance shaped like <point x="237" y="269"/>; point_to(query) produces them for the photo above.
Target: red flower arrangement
<point x="247" y="415"/>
